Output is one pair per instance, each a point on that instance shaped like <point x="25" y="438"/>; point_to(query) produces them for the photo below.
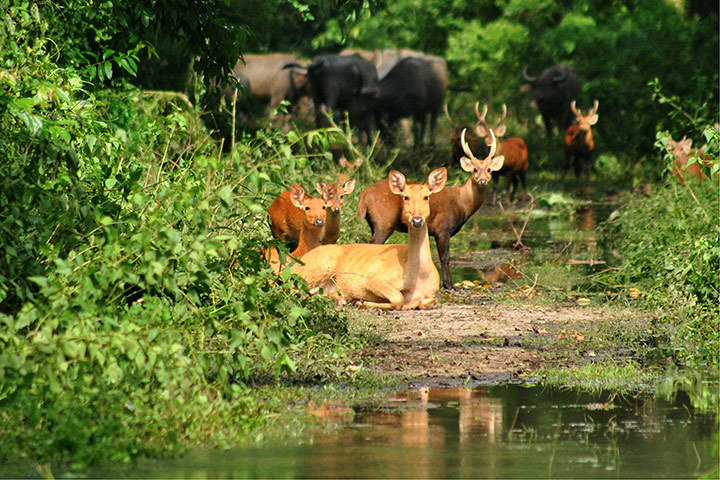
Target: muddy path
<point x="473" y="338"/>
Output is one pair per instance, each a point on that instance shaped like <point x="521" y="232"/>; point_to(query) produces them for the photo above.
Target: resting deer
<point x="286" y="219"/>
<point x="512" y="148"/>
<point x="396" y="277"/>
<point x="579" y="143"/>
<point x="314" y="214"/>
<point x="449" y="209"/>
<point x="681" y="152"/>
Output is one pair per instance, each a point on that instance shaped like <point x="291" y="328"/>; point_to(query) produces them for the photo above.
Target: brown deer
<point x="449" y="209"/>
<point x="512" y="148"/>
<point x="681" y="152"/>
<point x="286" y="219"/>
<point x="313" y="214"/>
<point x="579" y="143"/>
<point x="397" y="277"/>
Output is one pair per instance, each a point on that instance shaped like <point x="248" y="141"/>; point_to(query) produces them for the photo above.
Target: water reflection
<point x="480" y="432"/>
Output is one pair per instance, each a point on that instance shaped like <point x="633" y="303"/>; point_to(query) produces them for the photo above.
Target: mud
<point x="477" y="340"/>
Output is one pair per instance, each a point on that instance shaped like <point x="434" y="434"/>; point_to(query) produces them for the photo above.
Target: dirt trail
<point x="472" y="336"/>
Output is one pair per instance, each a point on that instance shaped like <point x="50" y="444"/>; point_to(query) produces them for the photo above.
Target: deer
<point x="512" y="148"/>
<point x="286" y="220"/>
<point x="476" y="145"/>
<point x="313" y="213"/>
<point x="387" y="277"/>
<point x="449" y="209"/>
<point x="579" y="143"/>
<point x="681" y="152"/>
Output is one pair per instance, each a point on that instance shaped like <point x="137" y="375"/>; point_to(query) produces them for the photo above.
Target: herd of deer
<point x="400" y="276"/>
<point x="403" y="276"/>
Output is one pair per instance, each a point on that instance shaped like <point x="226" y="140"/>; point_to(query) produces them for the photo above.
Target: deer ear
<point x="593" y="120"/>
<point x="329" y="193"/>
<point x="436" y="180"/>
<point x="466" y="164"/>
<point x="687" y="145"/>
<point x="497" y="163"/>
<point x="396" y="180"/>
<point x="348" y="186"/>
<point x="480" y="131"/>
<point x="297" y="194"/>
<point x="500" y="131"/>
<point x="320" y="187"/>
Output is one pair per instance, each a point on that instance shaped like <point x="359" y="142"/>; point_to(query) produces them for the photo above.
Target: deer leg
<point x="380" y="235"/>
<point x="514" y="185"/>
<point x="443" y="248"/>
<point x="384" y="289"/>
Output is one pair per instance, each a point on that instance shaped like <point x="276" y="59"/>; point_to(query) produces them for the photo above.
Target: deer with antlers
<point x="579" y="143"/>
<point x="476" y="143"/>
<point x="512" y="148"/>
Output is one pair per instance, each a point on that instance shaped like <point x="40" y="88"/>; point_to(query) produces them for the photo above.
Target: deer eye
<point x="426" y="197"/>
<point x="406" y="198"/>
<point x="489" y="169"/>
<point x="475" y="170"/>
<point x="307" y="208"/>
<point x="342" y="196"/>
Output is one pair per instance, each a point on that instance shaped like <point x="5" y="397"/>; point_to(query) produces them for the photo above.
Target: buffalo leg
<point x="443" y="248"/>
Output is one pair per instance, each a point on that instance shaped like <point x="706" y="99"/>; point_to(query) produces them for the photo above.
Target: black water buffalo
<point x="413" y="88"/>
<point x="553" y="90"/>
<point x="343" y="84"/>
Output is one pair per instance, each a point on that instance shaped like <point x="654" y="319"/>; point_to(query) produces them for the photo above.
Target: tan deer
<point x="681" y="152"/>
<point x="397" y="277"/>
<point x="449" y="209"/>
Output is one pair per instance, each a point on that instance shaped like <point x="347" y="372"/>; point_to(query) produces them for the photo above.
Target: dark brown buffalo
<point x="553" y="90"/>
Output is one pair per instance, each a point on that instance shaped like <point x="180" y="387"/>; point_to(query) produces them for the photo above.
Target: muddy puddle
<point x="494" y="244"/>
<point x="505" y="431"/>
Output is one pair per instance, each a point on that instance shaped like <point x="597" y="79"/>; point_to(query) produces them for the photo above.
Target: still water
<point x="481" y="432"/>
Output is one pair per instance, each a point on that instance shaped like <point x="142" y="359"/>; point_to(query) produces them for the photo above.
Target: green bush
<point x="135" y="304"/>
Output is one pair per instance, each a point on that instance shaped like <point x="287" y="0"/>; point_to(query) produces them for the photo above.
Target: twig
<point x="232" y="134"/>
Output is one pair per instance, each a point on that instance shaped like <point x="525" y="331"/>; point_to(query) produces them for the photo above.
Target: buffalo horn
<point x="527" y="77"/>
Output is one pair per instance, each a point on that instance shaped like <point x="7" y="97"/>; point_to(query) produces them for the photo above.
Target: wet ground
<point x="509" y="431"/>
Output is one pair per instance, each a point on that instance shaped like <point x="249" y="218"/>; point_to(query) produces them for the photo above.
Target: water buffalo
<point x="267" y="79"/>
<point x="385" y="60"/>
<point x="343" y="84"/>
<point x="413" y="88"/>
<point x="553" y="90"/>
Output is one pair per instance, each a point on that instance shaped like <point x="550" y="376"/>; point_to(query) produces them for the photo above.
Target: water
<point x="483" y="432"/>
<point x="486" y="248"/>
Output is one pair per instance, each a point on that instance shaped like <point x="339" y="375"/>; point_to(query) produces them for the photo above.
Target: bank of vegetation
<point x="136" y="313"/>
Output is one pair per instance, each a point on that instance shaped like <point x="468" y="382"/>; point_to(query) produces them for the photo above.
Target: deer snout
<point x="336" y="209"/>
<point x="417" y="222"/>
<point x="483" y="182"/>
<point x="319" y="222"/>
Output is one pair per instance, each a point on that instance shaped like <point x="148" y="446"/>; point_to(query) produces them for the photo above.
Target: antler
<point x="447" y="114"/>
<point x="481" y="118"/>
<point x="502" y="117"/>
<point x="574" y="109"/>
<point x="596" y="104"/>
<point x="465" y="146"/>
<point x="493" y="144"/>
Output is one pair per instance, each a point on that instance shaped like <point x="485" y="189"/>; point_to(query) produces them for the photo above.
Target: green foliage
<point x="676" y="261"/>
<point x="618" y="49"/>
<point x="135" y="304"/>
